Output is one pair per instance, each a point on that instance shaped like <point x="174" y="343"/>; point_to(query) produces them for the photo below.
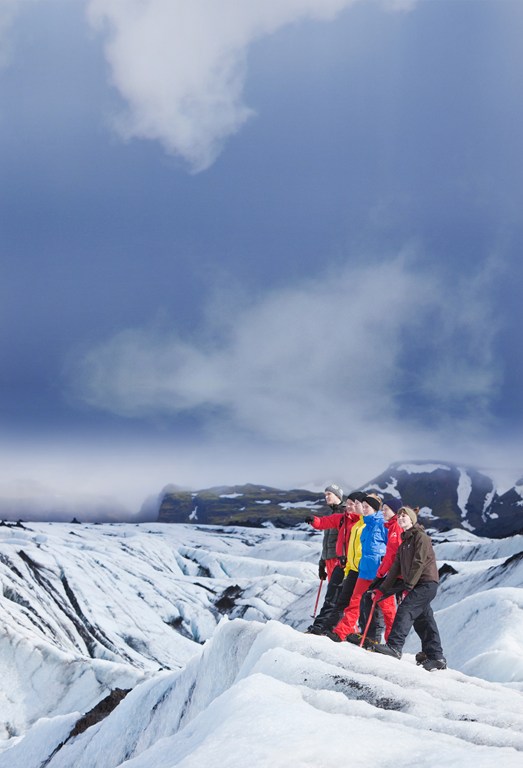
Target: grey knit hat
<point x="336" y="490"/>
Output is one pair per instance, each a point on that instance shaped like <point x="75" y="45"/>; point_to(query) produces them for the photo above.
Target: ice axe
<point x="371" y="613"/>
<point x="317" y="598"/>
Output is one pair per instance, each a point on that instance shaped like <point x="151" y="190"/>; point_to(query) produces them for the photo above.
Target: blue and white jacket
<point x="373" y="544"/>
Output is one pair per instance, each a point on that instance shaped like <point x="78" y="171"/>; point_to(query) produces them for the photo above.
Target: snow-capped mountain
<point x="190" y="638"/>
<point x="449" y="496"/>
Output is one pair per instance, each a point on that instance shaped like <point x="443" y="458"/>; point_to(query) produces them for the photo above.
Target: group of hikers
<point x="382" y="576"/>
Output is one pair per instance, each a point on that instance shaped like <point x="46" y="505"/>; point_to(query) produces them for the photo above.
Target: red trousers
<point x="349" y="621"/>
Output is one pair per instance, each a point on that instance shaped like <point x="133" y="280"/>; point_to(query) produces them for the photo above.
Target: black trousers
<point x="415" y="611"/>
<point x="331" y="596"/>
<point x="331" y="613"/>
<point x="377" y="625"/>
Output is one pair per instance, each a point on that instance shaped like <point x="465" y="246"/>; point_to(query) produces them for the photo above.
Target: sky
<point x="267" y="242"/>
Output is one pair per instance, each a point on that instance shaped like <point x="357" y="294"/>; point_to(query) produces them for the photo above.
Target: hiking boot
<point x="421" y="656"/>
<point x="387" y="650"/>
<point x="431" y="665"/>
<point x="314" y="630"/>
<point x="354" y="638"/>
<point x="370" y="644"/>
<point x="332" y="636"/>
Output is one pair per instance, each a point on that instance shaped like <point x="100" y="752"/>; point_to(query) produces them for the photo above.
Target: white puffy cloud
<point x="354" y="348"/>
<point x="328" y="380"/>
<point x="181" y="65"/>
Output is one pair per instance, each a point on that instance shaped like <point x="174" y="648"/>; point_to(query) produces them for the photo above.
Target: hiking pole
<point x="317" y="598"/>
<point x="371" y="612"/>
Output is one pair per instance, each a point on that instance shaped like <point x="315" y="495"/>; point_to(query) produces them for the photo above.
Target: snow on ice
<point x="414" y="469"/>
<point x="201" y="630"/>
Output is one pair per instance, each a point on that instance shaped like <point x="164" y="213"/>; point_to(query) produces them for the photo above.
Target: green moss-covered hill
<point x="251" y="505"/>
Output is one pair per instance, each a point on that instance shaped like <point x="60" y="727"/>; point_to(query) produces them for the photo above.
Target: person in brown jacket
<point x="414" y="572"/>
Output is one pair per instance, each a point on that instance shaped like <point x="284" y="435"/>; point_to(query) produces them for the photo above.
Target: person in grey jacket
<point x="329" y="566"/>
<point x="414" y="573"/>
<point x="328" y="558"/>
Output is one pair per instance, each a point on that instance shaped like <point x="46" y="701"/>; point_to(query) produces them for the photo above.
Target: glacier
<point x="200" y="630"/>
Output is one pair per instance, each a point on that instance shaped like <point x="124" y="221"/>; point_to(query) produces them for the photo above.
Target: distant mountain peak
<point x="449" y="496"/>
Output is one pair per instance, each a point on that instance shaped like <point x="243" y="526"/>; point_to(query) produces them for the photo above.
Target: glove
<point x="398" y="588"/>
<point x="378" y="581"/>
<point x="309" y="520"/>
<point x="322" y="573"/>
<point x="342" y="561"/>
<point x="378" y="595"/>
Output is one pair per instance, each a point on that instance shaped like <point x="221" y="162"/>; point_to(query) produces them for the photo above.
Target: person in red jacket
<point x="342" y="522"/>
